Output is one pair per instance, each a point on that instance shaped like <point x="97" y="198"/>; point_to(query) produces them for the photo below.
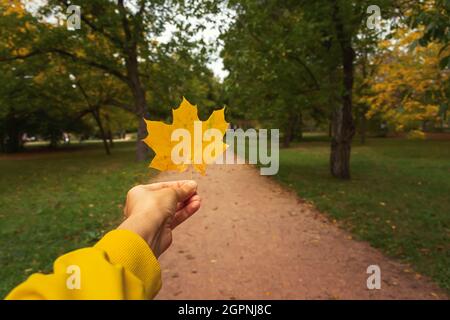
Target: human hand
<point x="152" y="211"/>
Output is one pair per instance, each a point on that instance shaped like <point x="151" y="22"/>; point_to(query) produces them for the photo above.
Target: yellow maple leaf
<point x="204" y="148"/>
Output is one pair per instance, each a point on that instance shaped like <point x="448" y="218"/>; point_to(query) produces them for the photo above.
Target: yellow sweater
<point x="120" y="266"/>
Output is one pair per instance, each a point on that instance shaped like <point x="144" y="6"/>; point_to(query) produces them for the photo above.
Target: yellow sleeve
<point x="120" y="266"/>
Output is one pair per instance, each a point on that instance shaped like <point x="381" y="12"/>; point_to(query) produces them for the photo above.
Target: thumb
<point x="185" y="190"/>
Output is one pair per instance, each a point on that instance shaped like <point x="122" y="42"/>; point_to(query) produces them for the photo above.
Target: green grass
<point x="51" y="203"/>
<point x="398" y="198"/>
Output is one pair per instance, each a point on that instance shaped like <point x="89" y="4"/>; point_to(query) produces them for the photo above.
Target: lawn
<point x="398" y="198"/>
<point x="51" y="203"/>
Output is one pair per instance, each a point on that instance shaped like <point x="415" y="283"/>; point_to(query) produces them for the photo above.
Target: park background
<point x="362" y="105"/>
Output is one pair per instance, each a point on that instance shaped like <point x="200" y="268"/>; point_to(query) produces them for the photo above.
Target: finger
<point x="181" y="205"/>
<point x="185" y="190"/>
<point x="195" y="197"/>
<point x="125" y="212"/>
<point x="187" y="211"/>
<point x="125" y="209"/>
<point x="164" y="184"/>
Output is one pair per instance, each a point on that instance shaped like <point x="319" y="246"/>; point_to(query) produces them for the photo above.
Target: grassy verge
<point x="51" y="203"/>
<point x="398" y="198"/>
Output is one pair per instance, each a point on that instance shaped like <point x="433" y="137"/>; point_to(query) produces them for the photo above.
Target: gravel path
<point x="253" y="239"/>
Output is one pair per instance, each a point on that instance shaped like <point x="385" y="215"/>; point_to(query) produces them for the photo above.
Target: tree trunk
<point x="2" y="142"/>
<point x="54" y="139"/>
<point x="140" y="103"/>
<point x="13" y="143"/>
<point x="362" y="127"/>
<point x="287" y="138"/>
<point x="424" y="125"/>
<point x="141" y="148"/>
<point x="110" y="138"/>
<point x="132" y="36"/>
<point x="330" y="128"/>
<point x="108" y="131"/>
<point x="96" y="115"/>
<point x="343" y="127"/>
<point x="340" y="146"/>
<point x="289" y="132"/>
<point x="300" y="126"/>
<point x="13" y="135"/>
<point x="297" y="127"/>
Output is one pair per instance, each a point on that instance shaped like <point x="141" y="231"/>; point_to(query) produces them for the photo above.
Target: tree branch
<point x="72" y="56"/>
<point x="290" y="56"/>
<point x="21" y="56"/>
<point x="115" y="40"/>
<point x="84" y="94"/>
<point x="91" y="63"/>
<point x="120" y="105"/>
<point x="125" y="23"/>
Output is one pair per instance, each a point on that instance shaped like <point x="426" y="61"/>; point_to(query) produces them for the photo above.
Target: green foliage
<point x="434" y="16"/>
<point x="285" y="58"/>
<point x="101" y="69"/>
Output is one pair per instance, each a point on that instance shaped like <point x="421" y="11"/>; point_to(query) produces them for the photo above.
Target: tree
<point x="117" y="38"/>
<point x="277" y="50"/>
<point x="408" y="88"/>
<point x="434" y="16"/>
<point x="269" y="79"/>
<point x="34" y="100"/>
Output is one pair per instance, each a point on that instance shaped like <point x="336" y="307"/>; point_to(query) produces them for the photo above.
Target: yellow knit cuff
<point x="129" y="250"/>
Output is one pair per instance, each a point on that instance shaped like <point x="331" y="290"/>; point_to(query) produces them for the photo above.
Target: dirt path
<point x="252" y="239"/>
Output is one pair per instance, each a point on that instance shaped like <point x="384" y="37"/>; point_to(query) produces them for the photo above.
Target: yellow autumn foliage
<point x="416" y="135"/>
<point x="8" y="7"/>
<point x="407" y="87"/>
